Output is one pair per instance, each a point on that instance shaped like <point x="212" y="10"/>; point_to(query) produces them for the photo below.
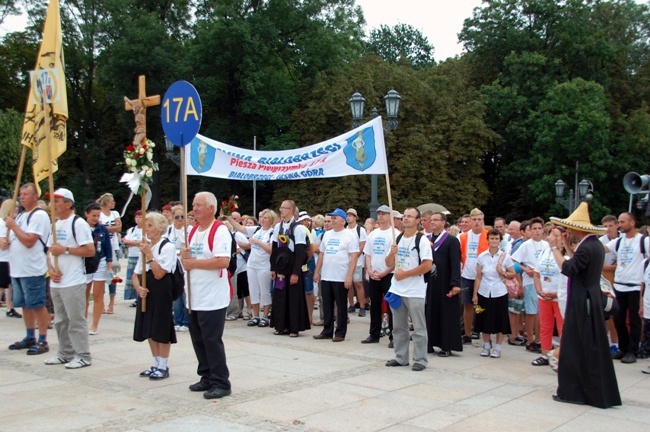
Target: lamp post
<point x="176" y="158"/>
<point x="582" y="192"/>
<point x="357" y="101"/>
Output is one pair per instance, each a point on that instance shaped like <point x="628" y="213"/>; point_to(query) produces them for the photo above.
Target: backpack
<point x="178" y="276"/>
<point x="641" y="246"/>
<point x="45" y="248"/>
<point x="418" y="237"/>
<point x="91" y="264"/>
<point x="309" y="245"/>
<point x="232" y="266"/>
<point x="246" y="253"/>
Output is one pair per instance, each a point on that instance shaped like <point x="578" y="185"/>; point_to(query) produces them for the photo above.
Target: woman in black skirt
<point x="156" y="324"/>
<point x="491" y="295"/>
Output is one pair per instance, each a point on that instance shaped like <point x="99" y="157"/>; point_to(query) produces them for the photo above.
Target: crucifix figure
<point x="139" y="108"/>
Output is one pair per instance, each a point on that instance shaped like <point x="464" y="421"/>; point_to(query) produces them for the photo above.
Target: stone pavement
<point x="295" y="384"/>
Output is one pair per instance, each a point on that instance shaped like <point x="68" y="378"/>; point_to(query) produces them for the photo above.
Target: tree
<point x="11" y="123"/>
<point x="401" y="42"/>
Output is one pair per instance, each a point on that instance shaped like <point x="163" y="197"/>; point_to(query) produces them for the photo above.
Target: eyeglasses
<point x="285" y="208"/>
<point x="436" y="220"/>
<point x="177" y="217"/>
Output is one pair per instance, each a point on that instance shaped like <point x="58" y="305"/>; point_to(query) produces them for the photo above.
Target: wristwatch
<point x="67" y="251"/>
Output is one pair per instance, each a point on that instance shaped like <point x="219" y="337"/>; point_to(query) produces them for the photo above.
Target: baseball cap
<point x="61" y="193"/>
<point x="397" y="214"/>
<point x="302" y="216"/>
<point x="353" y="212"/>
<point x="338" y="212"/>
<point x="383" y="209"/>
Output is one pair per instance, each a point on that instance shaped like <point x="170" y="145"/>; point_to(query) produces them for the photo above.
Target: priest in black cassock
<point x="586" y="372"/>
<point x="443" y="300"/>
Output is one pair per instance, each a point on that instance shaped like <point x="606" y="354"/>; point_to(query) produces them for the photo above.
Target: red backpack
<point x="232" y="265"/>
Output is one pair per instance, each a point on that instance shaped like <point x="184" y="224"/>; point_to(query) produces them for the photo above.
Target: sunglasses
<point x="177" y="217"/>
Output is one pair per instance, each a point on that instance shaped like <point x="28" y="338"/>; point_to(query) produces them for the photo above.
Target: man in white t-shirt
<point x="68" y="283"/>
<point x="411" y="261"/>
<point x="500" y="224"/>
<point x="357" y="279"/>
<point x="29" y="234"/>
<point x="610" y="222"/>
<point x="630" y="249"/>
<point x="376" y="249"/>
<point x="336" y="265"/>
<point x="206" y="259"/>
<point x="527" y="256"/>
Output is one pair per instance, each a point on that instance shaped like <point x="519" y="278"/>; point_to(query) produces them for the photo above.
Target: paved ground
<point x="285" y="384"/>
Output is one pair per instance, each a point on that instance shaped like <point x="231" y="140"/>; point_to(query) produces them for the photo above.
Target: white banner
<point x="360" y="151"/>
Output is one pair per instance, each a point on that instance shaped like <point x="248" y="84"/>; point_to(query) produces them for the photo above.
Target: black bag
<point x="91" y="264"/>
<point x="178" y="276"/>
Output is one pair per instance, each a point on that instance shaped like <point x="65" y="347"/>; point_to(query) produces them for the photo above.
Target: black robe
<point x="586" y="371"/>
<point x="289" y="305"/>
<point x="442" y="312"/>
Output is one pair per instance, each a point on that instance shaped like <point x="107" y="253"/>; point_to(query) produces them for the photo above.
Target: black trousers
<point x="628" y="341"/>
<point x="334" y="293"/>
<point x="206" y="331"/>
<point x="378" y="288"/>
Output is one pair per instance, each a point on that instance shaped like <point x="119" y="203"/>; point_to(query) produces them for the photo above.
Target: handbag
<point x="512" y="285"/>
<point x="610" y="305"/>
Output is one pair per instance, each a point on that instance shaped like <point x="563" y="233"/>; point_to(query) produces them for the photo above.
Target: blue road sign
<point x="181" y="113"/>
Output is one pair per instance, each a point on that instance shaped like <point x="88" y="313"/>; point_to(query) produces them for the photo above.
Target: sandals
<point x="39" y="348"/>
<point x="264" y="322"/>
<point x="254" y="322"/>
<point x="22" y="344"/>
<point x="540" y="361"/>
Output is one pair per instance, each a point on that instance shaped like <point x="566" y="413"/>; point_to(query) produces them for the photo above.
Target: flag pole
<point x="184" y="198"/>
<point x="19" y="176"/>
<point x="50" y="175"/>
<point x="144" y="258"/>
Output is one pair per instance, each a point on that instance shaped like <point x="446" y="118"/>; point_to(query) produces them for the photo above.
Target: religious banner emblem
<point x="201" y="155"/>
<point x="360" y="151"/>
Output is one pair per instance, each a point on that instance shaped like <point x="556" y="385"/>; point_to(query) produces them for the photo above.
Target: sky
<point x="439" y="20"/>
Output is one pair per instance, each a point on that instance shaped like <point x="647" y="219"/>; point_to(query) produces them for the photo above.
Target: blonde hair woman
<point x="5" y="275"/>
<point x="111" y="219"/>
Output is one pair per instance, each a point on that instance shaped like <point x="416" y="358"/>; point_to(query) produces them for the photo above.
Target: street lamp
<point x="357" y="101"/>
<point x="176" y="158"/>
<point x="584" y="193"/>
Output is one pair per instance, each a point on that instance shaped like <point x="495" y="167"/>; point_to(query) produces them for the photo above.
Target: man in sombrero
<point x="586" y="371"/>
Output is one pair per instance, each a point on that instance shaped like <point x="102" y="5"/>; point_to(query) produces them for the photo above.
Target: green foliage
<point x="399" y="43"/>
<point x="11" y="123"/>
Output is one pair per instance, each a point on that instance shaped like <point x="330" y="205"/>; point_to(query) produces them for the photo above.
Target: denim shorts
<point x="466" y="291"/>
<point x="29" y="292"/>
<point x="530" y="299"/>
<point x="516" y="305"/>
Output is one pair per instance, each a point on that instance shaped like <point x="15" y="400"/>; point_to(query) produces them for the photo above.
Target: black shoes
<point x="321" y="336"/>
<point x="628" y="358"/>
<point x="618" y="355"/>
<point x="466" y="339"/>
<point x="202" y="385"/>
<point x="217" y="393"/>
<point x="369" y="340"/>
<point x="13" y="313"/>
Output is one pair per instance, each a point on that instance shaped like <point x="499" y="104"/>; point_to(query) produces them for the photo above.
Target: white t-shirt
<point x="492" y="284"/>
<point x="646" y="294"/>
<point x="528" y="254"/>
<point x="71" y="266"/>
<point x="210" y="288"/>
<point x="549" y="272"/>
<point x="407" y="259"/>
<point x="469" y="268"/>
<point x="361" y="237"/>
<point x="629" y="260"/>
<point x="610" y="257"/>
<point x="177" y="236"/>
<point x="166" y="258"/>
<point x="259" y="259"/>
<point x="134" y="233"/>
<point x="503" y="246"/>
<point x="109" y="221"/>
<point x="4" y="255"/>
<point x="336" y="248"/>
<point x="377" y="247"/>
<point x="30" y="262"/>
<point x="241" y="262"/>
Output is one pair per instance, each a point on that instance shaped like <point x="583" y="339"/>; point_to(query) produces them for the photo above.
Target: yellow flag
<point x="47" y="104"/>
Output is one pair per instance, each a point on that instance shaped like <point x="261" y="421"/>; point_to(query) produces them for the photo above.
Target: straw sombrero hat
<point x="579" y="221"/>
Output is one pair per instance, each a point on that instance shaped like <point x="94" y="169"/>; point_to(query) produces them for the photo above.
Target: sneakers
<point x="616" y="356"/>
<point x="351" y="309"/>
<point x="56" y="360"/>
<point x="217" y="393"/>
<point x="646" y="370"/>
<point x="362" y="312"/>
<point x="627" y="358"/>
<point x="183" y="329"/>
<point x="485" y="352"/>
<point x="517" y="342"/>
<point x="22" y="344"/>
<point x="540" y="361"/>
<point x="475" y="335"/>
<point x="534" y="348"/>
<point x="78" y="363"/>
<point x="43" y="347"/>
<point x="159" y="374"/>
<point x="495" y="353"/>
<point x="613" y="349"/>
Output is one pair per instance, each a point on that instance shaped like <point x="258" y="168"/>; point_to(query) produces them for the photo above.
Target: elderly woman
<point x="491" y="295"/>
<point x="259" y="265"/>
<point x="132" y="240"/>
<point x="96" y="282"/>
<point x="111" y="219"/>
<point x="547" y="280"/>
<point x="156" y="324"/>
<point x="176" y="235"/>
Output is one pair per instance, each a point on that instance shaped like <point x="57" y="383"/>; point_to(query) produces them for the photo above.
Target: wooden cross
<point x="139" y="108"/>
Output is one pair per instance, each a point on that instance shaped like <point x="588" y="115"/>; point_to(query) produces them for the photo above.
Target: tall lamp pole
<point x="583" y="192"/>
<point x="392" y="100"/>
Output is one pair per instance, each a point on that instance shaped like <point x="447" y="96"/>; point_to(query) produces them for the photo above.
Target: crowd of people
<point x="546" y="287"/>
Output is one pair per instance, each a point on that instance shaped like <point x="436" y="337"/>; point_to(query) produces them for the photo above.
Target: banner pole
<point x="17" y="187"/>
<point x="50" y="175"/>
<point x="144" y="258"/>
<point x="255" y="183"/>
<point x="184" y="198"/>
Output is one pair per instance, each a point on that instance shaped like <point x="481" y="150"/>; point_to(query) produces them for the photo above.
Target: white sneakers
<point x="76" y="363"/>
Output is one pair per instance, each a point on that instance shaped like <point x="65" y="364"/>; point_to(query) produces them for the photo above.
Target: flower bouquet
<point x="116" y="279"/>
<point x="230" y="205"/>
<point x="140" y="166"/>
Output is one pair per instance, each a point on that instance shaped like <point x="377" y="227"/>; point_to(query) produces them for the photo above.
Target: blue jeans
<point x="29" y="292"/>
<point x="181" y="317"/>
